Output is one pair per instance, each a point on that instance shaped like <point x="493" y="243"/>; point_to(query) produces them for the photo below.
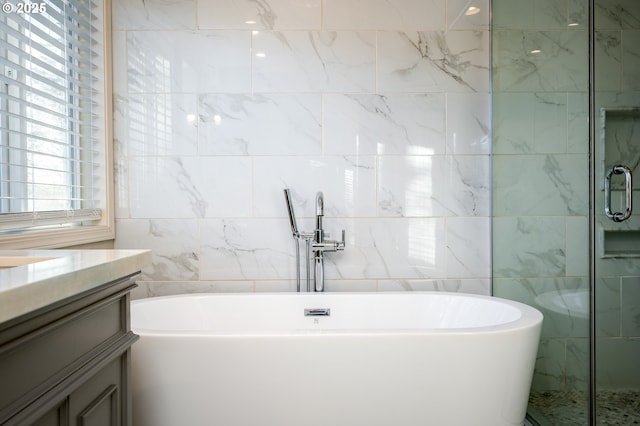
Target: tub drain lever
<point x="317" y="312"/>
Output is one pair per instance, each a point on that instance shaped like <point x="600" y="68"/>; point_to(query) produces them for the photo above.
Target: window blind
<point x="51" y="107"/>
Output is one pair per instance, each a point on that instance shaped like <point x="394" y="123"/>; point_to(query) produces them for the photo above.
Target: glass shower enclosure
<point x="566" y="238"/>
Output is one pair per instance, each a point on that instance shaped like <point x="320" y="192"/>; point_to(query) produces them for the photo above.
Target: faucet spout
<point x="319" y="203"/>
<point x="319" y="211"/>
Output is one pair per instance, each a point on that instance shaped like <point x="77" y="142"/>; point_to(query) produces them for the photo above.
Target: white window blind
<point x="52" y="104"/>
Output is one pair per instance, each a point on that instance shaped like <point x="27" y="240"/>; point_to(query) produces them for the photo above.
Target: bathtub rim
<point x="530" y="317"/>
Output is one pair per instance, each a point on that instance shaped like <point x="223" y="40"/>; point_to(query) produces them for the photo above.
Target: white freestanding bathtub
<point x="356" y="359"/>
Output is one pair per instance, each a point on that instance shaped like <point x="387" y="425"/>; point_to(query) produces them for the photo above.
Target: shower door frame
<point x="592" y="216"/>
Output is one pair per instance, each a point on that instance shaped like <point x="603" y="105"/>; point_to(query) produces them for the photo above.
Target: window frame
<point x="104" y="229"/>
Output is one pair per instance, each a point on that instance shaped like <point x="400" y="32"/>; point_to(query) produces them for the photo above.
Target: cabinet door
<point x="98" y="402"/>
<point x="57" y="416"/>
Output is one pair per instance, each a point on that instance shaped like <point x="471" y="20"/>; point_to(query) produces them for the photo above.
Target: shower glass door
<point x="566" y="212"/>
<point x="617" y="220"/>
<point x="540" y="73"/>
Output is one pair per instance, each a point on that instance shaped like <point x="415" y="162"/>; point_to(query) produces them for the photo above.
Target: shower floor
<point x="558" y="408"/>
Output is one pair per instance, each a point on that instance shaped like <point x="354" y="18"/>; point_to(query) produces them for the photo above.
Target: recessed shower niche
<point x="619" y="164"/>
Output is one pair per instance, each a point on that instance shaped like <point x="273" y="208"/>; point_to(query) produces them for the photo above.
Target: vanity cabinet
<point x="69" y="363"/>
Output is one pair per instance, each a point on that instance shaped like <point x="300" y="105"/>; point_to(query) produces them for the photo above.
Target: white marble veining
<point x="26" y="288"/>
<point x="631" y="62"/>
<point x="230" y="250"/>
<point x="556" y="292"/>
<point x="468" y="123"/>
<point x="433" y="61"/>
<point x="541" y="173"/>
<point x="348" y="183"/>
<point x="384" y="124"/>
<point x="541" y="14"/>
<point x="541" y="61"/>
<point x="156" y="124"/>
<point x="188" y="61"/>
<point x="468" y="15"/>
<point x="617" y="57"/>
<point x="516" y="133"/>
<point x="555" y="185"/>
<point x="577" y="248"/>
<point x="529" y="246"/>
<point x="390" y="248"/>
<point x="608" y="53"/>
<point x="434" y="186"/>
<point x="617" y="14"/>
<point x="474" y="286"/>
<point x="260" y="14"/>
<point x="183" y="187"/>
<point x="384" y="14"/>
<point x="279" y="124"/>
<point x="154" y="14"/>
<point x="577" y="133"/>
<point x="468" y="247"/>
<point x="382" y="105"/>
<point x="327" y="61"/>
<point x="175" y="243"/>
<point x="618" y="143"/>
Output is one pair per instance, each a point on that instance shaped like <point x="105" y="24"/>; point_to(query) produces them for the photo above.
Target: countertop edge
<point x="26" y="288"/>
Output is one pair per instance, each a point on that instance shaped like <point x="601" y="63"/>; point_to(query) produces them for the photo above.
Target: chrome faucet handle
<point x="342" y="243"/>
<point x="329" y="245"/>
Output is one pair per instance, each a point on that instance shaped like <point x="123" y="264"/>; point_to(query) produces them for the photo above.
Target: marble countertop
<point x="59" y="274"/>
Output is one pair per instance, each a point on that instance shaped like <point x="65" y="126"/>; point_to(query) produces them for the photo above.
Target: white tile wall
<point x="384" y="14"/>
<point x="618" y="287"/>
<point x="382" y="105"/>
<point x="541" y="171"/>
<point x="540" y="167"/>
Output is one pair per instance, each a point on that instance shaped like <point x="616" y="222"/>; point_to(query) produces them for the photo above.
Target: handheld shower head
<point x="292" y="216"/>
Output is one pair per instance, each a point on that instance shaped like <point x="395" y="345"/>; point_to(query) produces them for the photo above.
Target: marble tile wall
<point x="618" y="281"/>
<point x="382" y="105"/>
<point x="541" y="176"/>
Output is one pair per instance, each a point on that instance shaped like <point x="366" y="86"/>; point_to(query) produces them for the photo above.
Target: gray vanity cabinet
<point x="69" y="363"/>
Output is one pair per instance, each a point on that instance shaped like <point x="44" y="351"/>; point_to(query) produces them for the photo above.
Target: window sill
<point x="57" y="238"/>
